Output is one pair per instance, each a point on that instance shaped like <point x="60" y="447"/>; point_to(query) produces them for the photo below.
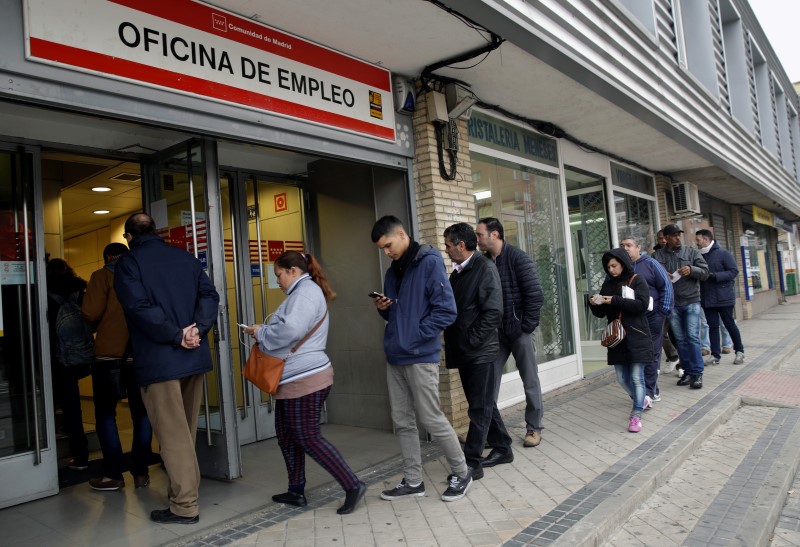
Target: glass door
<point x="589" y="230"/>
<point x="182" y="195"/>
<point x="262" y="218"/>
<point x="28" y="459"/>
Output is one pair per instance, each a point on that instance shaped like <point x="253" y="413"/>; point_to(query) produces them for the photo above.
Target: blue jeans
<point x="714" y="315"/>
<point x="655" y="320"/>
<point x="685" y="324"/>
<point x="631" y="378"/>
<point x="105" y="413"/>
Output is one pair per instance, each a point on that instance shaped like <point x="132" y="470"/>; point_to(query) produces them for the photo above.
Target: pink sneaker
<point x="648" y="403"/>
<point x="635" y="425"/>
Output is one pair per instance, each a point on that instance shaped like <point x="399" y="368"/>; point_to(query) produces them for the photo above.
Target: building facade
<point x="246" y="132"/>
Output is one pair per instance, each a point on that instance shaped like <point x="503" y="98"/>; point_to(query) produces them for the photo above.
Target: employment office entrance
<point x="236" y="207"/>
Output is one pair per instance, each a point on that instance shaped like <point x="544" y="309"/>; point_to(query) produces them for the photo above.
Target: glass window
<point x="635" y="218"/>
<point x="757" y="255"/>
<point x="528" y="203"/>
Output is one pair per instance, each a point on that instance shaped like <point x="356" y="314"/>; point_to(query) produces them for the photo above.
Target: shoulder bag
<point x="264" y="370"/>
<point x="614" y="333"/>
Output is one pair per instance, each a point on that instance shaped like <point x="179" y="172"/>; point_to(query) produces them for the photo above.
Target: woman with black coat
<point x="630" y="356"/>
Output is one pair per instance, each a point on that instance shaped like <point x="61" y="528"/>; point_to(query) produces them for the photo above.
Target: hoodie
<point x="637" y="347"/>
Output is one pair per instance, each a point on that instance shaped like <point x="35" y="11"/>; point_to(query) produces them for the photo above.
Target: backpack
<point x="74" y="340"/>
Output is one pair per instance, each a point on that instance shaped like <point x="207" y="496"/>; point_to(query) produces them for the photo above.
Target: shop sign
<point x="196" y="49"/>
<point x="505" y="137"/>
<point x="762" y="216"/>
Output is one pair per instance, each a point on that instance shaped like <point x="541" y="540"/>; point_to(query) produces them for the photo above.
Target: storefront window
<point x="528" y="203"/>
<point x="757" y="256"/>
<point x="635" y="215"/>
<point x="635" y="218"/>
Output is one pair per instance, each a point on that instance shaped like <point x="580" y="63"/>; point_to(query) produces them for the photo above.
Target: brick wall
<point x="441" y="203"/>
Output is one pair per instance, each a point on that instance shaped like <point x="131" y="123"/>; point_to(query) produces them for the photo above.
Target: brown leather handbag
<point x="264" y="370"/>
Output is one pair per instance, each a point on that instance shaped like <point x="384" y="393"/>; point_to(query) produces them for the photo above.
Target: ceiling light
<point x="101" y="212"/>
<point x="101" y="189"/>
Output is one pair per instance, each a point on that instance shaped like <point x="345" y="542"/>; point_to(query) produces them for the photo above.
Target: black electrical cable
<point x="439" y="130"/>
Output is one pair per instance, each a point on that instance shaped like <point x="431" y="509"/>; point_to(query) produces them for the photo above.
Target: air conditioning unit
<point x="685" y="198"/>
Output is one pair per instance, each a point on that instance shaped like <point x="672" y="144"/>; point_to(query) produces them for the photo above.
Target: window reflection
<point x="528" y="203"/>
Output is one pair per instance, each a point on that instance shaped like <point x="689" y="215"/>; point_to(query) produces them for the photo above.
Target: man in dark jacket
<point x="101" y="308"/>
<point x="717" y="296"/>
<point x="170" y="306"/>
<point x="417" y="304"/>
<point x="522" y="302"/>
<point x="471" y="344"/>
<point x="687" y="269"/>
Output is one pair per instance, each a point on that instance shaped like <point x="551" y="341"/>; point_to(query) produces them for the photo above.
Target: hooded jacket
<point x="473" y="338"/>
<point x="421" y="308"/>
<point x="637" y="346"/>
<point x="162" y="290"/>
<point x="718" y="290"/>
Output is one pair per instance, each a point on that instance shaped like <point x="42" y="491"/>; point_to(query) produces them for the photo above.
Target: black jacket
<point x="686" y="289"/>
<point x="473" y="338"/>
<point x="637" y="346"/>
<point x="162" y="290"/>
<point x="718" y="290"/>
<point x="522" y="294"/>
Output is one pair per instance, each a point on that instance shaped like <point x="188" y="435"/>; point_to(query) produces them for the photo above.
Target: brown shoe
<point x="727" y="350"/>
<point x="140" y="481"/>
<point x="705" y="352"/>
<point x="532" y="438"/>
<point x="106" y="484"/>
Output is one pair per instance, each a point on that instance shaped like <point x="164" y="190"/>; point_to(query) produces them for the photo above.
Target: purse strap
<point x="629" y="284"/>
<point x="307" y="336"/>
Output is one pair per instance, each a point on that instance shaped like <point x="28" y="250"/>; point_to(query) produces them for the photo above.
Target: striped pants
<point x="297" y="426"/>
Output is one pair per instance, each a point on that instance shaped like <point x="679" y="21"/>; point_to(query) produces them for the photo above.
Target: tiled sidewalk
<point x="561" y="490"/>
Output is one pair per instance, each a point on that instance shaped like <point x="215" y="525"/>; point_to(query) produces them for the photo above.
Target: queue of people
<point x="153" y="306"/>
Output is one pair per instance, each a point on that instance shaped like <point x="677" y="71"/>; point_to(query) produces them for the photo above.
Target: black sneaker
<point x="403" y="490"/>
<point x="697" y="383"/>
<point x="458" y="487"/>
<point x="686" y="379"/>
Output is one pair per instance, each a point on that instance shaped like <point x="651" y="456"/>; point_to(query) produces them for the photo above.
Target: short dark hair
<point x="385" y="226"/>
<point x="705" y="233"/>
<point x="493" y="225"/>
<point x="139" y="224"/>
<point x="114" y="250"/>
<point x="462" y="231"/>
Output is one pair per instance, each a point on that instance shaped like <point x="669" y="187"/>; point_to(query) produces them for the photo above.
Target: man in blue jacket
<point x="717" y="296"/>
<point x="661" y="300"/>
<point x="170" y="306"/>
<point x="417" y="304"/>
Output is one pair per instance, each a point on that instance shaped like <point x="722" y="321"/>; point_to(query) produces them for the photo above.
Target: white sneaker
<point x="669" y="366"/>
<point x="656" y="397"/>
<point x="679" y="372"/>
<point x="648" y="403"/>
<point x="739" y="358"/>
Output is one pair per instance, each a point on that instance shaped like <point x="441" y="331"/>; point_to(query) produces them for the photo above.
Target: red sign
<point x="281" y="203"/>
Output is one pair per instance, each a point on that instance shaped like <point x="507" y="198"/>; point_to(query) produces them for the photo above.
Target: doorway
<point x="590" y="234"/>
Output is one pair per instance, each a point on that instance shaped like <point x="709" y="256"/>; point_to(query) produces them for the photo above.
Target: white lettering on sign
<point x="192" y="48"/>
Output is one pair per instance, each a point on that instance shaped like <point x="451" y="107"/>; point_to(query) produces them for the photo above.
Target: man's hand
<point x="382" y="302"/>
<point x="685" y="271"/>
<point x="191" y="337"/>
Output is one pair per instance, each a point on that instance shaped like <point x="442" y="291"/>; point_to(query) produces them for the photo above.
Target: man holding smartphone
<point x="412" y="342"/>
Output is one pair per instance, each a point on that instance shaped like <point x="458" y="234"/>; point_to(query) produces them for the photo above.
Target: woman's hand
<point x="251" y="330"/>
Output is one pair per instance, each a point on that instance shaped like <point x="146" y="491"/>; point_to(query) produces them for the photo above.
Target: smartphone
<point x="374" y="294"/>
<point x="243" y="325"/>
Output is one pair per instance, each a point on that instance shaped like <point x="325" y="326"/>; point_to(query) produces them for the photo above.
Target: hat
<point x="671" y="230"/>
